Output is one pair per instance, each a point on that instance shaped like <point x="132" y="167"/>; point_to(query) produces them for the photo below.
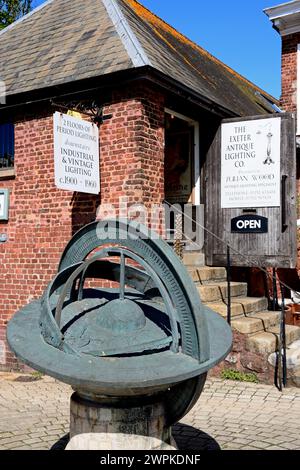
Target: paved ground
<point x="34" y="414"/>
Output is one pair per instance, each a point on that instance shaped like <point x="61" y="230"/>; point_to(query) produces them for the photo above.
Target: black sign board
<point x="249" y="224"/>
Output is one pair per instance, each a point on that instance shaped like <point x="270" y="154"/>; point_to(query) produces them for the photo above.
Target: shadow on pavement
<point x="186" y="437"/>
<point x="62" y="443"/>
<point x="189" y="438"/>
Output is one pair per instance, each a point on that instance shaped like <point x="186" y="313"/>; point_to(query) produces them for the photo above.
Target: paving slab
<point x="34" y="415"/>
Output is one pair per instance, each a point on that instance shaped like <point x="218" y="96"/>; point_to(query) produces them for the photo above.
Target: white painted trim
<point x="285" y="9"/>
<point x="130" y="41"/>
<point x="285" y="17"/>
<point x="286" y="31"/>
<point x="179" y="116"/>
<point x="197" y="179"/>
<point x="32" y="12"/>
<point x="298" y="90"/>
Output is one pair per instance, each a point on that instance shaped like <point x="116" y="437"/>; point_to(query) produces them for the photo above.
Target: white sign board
<point x="250" y="166"/>
<point x="76" y="154"/>
<point x="2" y="206"/>
<point x="4" y="202"/>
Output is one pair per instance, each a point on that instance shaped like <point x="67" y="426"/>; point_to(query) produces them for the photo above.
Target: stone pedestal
<point x="105" y="423"/>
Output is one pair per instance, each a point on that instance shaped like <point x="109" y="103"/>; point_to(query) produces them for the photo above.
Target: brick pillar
<point x="132" y="150"/>
<point x="289" y="72"/>
<point x="289" y="96"/>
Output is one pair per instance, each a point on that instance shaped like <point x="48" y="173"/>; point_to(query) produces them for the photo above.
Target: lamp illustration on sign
<point x="269" y="160"/>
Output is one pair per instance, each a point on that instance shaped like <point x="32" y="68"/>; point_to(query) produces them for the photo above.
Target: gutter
<point x="107" y="82"/>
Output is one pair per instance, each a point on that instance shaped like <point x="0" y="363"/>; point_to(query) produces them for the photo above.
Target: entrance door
<point x="178" y="162"/>
<point x="182" y="178"/>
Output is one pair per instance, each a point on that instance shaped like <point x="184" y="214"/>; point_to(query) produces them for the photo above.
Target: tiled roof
<point x="70" y="40"/>
<point x="66" y="40"/>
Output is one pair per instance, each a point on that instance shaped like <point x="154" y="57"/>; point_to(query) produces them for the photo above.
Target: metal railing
<point x="280" y="377"/>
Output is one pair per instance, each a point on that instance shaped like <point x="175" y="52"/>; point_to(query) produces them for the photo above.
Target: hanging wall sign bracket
<point x="91" y="109"/>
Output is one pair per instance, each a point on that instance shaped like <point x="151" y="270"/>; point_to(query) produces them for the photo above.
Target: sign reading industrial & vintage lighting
<point x="250" y="163"/>
<point x="76" y="154"/>
<point x="249" y="224"/>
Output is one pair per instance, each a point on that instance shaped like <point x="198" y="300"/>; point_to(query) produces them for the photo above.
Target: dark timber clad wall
<point x="276" y="248"/>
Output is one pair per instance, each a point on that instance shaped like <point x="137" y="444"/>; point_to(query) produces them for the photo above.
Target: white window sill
<point x="7" y="173"/>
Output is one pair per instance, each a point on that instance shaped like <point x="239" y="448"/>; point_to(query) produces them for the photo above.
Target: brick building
<point x="113" y="58"/>
<point x="286" y="20"/>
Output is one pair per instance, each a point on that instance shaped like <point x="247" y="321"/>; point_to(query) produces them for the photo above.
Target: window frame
<point x="10" y="146"/>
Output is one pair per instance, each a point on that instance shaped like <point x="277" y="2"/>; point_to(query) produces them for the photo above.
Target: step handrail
<point x="281" y="365"/>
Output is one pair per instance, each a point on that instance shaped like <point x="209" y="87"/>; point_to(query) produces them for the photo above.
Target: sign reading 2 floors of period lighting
<point x="76" y="154"/>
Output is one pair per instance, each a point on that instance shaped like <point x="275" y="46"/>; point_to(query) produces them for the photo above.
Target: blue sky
<point x="235" y="31"/>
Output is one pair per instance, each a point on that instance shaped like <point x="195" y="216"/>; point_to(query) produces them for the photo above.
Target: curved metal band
<point x="108" y="252"/>
<point x="185" y="298"/>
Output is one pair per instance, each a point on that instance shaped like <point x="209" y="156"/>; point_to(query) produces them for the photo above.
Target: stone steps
<point x="240" y="306"/>
<point x="266" y="341"/>
<point x="250" y="317"/>
<point x="193" y="259"/>
<point x="218" y="291"/>
<point x="205" y="274"/>
<point x="256" y="322"/>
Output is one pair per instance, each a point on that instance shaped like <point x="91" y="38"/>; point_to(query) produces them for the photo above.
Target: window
<point x="7" y="145"/>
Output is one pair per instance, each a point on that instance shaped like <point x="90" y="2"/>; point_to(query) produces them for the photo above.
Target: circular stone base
<point x="109" y="424"/>
<point x="108" y="441"/>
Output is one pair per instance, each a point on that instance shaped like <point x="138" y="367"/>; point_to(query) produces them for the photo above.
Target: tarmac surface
<point x="34" y="414"/>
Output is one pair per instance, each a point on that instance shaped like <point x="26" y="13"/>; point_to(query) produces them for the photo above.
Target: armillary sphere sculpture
<point x="139" y="344"/>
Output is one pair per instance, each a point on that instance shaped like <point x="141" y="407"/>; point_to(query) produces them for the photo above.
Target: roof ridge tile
<point x="130" y="41"/>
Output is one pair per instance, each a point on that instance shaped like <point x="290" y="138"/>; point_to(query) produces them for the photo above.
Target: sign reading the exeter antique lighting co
<point x="250" y="165"/>
<point x="76" y="154"/>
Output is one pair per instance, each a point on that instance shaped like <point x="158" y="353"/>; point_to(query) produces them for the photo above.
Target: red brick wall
<point x="289" y="94"/>
<point x="289" y="72"/>
<point x="132" y="149"/>
<point x="43" y="218"/>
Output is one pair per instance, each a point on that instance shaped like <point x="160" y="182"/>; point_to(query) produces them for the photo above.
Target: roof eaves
<point x="35" y="10"/>
<point x="282" y="10"/>
<point x="131" y="43"/>
<point x="189" y="94"/>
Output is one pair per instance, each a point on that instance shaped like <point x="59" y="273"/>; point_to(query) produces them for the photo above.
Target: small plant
<point x="37" y="375"/>
<point x="230" y="374"/>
